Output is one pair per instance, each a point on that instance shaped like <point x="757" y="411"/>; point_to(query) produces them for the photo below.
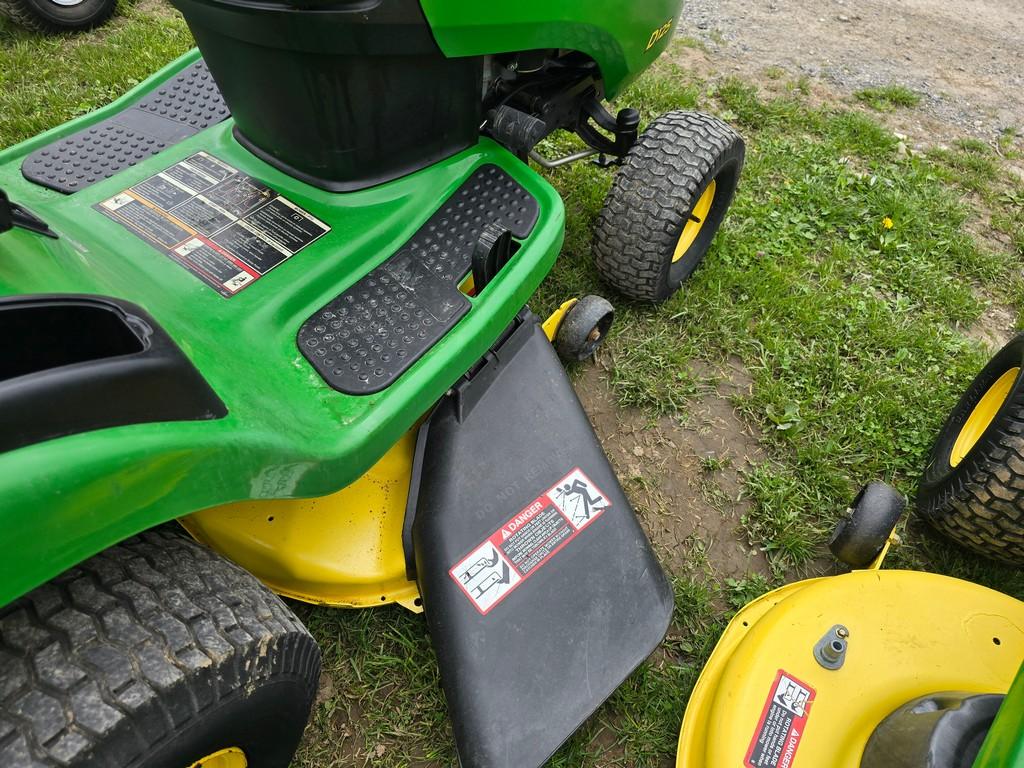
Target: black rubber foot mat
<point x="183" y="106"/>
<point x="367" y="337"/>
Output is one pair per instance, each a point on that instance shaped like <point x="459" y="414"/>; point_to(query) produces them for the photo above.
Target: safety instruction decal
<point x="222" y="225"/>
<point x="782" y="724"/>
<point x="514" y="552"/>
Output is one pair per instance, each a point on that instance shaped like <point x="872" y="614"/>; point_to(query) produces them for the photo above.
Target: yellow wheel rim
<point x="232" y="757"/>
<point x="982" y="416"/>
<point x="695" y="223"/>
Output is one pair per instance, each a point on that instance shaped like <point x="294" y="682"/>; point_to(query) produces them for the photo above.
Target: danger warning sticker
<point x="782" y="724"/>
<point x="522" y="545"/>
<point x="223" y="226"/>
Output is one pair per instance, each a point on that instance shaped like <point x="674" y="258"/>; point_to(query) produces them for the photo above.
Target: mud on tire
<point x="156" y="652"/>
<point x="653" y="197"/>
<point x="980" y="501"/>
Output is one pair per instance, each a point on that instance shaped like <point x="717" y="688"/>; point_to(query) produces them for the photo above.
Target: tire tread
<point x="638" y="222"/>
<point x="94" y="662"/>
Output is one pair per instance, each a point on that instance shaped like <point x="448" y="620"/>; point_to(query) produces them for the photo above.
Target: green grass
<point x="853" y="333"/>
<point x="887" y="97"/>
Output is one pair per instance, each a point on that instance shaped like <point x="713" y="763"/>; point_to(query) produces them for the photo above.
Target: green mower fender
<point x="624" y="38"/>
<point x="287" y="434"/>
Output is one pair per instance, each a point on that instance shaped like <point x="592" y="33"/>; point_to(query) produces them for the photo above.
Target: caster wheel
<point x="971" y="489"/>
<point x="860" y="537"/>
<point x="666" y="204"/>
<point x="583" y="329"/>
<point x="52" y="16"/>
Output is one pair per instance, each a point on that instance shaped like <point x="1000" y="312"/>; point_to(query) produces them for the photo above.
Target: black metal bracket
<point x="13" y="215"/>
<point x="623" y="127"/>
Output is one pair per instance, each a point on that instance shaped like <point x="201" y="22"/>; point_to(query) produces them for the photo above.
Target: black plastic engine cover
<point x="342" y="95"/>
<point x="540" y="588"/>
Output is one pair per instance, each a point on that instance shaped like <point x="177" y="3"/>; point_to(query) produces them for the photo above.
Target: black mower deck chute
<point x="541" y="590"/>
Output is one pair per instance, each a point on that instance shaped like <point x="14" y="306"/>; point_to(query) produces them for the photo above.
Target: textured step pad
<point x="368" y="336"/>
<point x="181" y="107"/>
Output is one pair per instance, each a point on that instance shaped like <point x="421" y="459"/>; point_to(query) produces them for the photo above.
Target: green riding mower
<point x="276" y="293"/>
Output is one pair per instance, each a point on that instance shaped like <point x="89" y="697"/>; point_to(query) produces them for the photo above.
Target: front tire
<point x="666" y="204"/>
<point x="156" y="652"/>
<point x="973" y="487"/>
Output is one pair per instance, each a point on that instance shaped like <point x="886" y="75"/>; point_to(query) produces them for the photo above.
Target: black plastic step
<point x="181" y="107"/>
<point x="368" y="336"/>
<point x="541" y="590"/>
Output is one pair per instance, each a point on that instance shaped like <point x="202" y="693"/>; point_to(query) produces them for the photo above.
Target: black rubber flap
<point x="540" y="588"/>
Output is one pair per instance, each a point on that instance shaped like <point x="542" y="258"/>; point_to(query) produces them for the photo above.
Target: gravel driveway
<point x="965" y="58"/>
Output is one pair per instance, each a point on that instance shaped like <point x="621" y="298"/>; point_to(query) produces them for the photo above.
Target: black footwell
<point x="368" y="336"/>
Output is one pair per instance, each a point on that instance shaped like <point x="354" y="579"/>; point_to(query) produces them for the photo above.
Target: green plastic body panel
<point x="624" y="37"/>
<point x="1004" y="744"/>
<point x="287" y="434"/>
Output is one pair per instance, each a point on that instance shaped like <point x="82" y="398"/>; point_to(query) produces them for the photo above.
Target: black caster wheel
<point x="584" y="328"/>
<point x="860" y="537"/>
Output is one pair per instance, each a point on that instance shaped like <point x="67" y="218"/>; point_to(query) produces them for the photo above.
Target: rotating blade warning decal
<point x="782" y="724"/>
<point x="223" y="226"/>
<point x="512" y="553"/>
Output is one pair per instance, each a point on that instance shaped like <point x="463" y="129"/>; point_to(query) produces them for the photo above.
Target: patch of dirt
<point x="995" y="327"/>
<point x="685" y="479"/>
<point x="965" y="59"/>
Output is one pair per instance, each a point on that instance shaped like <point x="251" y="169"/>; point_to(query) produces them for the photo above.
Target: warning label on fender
<point x="782" y="724"/>
<point x="223" y="226"/>
<point x="522" y="545"/>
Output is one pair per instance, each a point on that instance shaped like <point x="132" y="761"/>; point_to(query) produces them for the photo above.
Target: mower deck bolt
<point x="830" y="651"/>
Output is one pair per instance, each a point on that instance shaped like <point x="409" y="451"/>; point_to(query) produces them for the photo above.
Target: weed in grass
<point x="973" y="146"/>
<point x="969" y="169"/>
<point x="742" y="591"/>
<point x="685" y="41"/>
<point x="885" y="98"/>
<point x="1008" y="143"/>
<point x="715" y="463"/>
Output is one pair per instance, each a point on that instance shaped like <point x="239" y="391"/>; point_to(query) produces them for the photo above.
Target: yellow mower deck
<point x="910" y="634"/>
<point x="342" y="550"/>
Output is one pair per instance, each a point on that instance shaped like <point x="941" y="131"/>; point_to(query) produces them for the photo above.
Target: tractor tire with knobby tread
<point x="980" y="502"/>
<point x="156" y="652"/>
<point x="655" y="192"/>
<point x="51" y="18"/>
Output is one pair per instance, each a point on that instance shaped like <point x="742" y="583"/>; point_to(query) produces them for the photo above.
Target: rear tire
<point x="156" y="652"/>
<point x="642" y="245"/>
<point x="973" y="487"/>
<point x="49" y="17"/>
